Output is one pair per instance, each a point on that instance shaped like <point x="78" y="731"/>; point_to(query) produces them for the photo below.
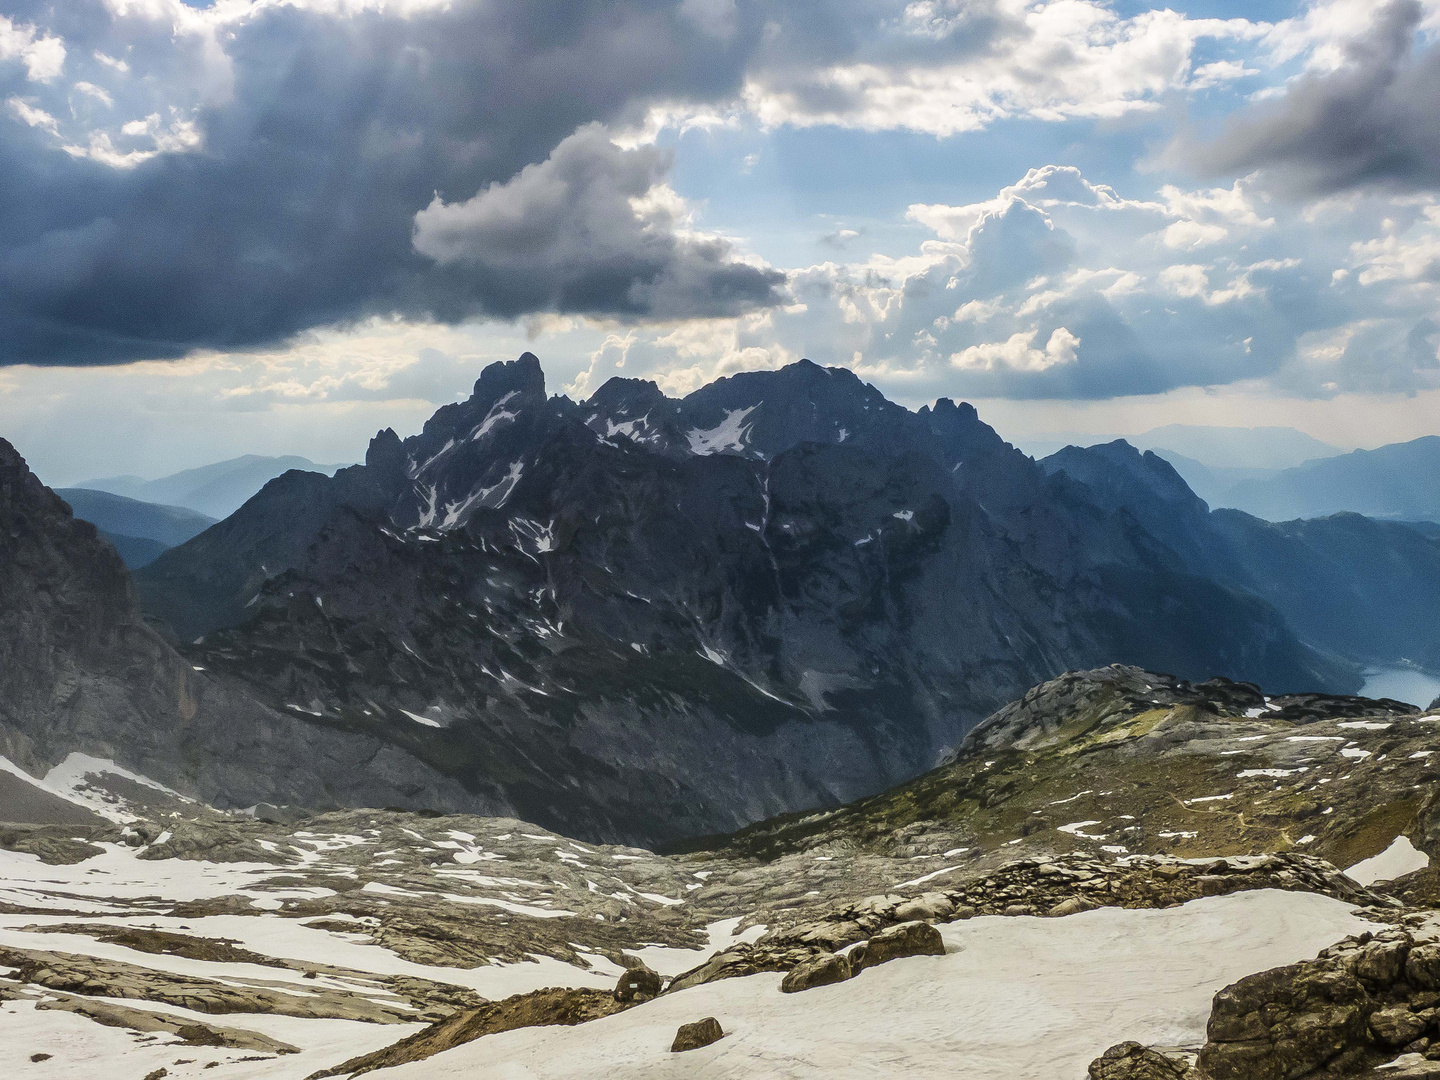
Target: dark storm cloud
<point x="322" y="138"/>
<point x="577" y="231"/>
<point x="1374" y="121"/>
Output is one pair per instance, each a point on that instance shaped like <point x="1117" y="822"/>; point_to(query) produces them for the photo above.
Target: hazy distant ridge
<point x="1399" y="482"/>
<point x="216" y="490"/>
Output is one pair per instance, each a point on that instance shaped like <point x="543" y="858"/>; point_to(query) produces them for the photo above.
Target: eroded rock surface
<point x="696" y="1035"/>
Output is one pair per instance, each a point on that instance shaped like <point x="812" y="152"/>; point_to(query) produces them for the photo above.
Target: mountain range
<point x="216" y="490"/>
<point x="1399" y="482"/>
<point x="1281" y="474"/>
<point x="1346" y="584"/>
<point x="138" y="530"/>
<point x="640" y="617"/>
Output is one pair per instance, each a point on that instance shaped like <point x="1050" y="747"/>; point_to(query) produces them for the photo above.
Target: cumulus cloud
<point x="42" y="54"/>
<point x="945" y="67"/>
<point x="1018" y="352"/>
<point x="263" y="164"/>
<point x="1061" y="288"/>
<point x="593" y="227"/>
<point x="224" y="177"/>
<point x="1370" y="115"/>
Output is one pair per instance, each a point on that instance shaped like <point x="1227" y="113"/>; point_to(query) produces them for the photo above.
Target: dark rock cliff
<point x="646" y="617"/>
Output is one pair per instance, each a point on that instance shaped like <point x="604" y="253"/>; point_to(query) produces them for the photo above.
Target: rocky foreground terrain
<point x="1122" y="873"/>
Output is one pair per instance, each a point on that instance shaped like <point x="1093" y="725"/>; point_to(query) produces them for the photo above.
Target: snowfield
<point x="1015" y="999"/>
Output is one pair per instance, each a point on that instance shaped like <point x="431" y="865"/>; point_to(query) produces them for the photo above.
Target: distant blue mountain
<point x="1399" y="482"/>
<point x="140" y="531"/>
<point x="215" y="490"/>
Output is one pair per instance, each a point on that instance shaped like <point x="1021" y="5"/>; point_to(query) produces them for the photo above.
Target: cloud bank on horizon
<point x="1258" y="199"/>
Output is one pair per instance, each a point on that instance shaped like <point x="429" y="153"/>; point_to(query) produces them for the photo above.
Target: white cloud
<point x="36" y="118"/>
<point x="1188" y="235"/>
<point x="1018" y="352"/>
<point x="1000" y="300"/>
<point x="1050" y="61"/>
<point x="111" y="62"/>
<point x="42" y="54"/>
<point x="177" y="137"/>
<point x="1186" y="280"/>
<point x="1322" y="35"/>
<point x="1220" y="73"/>
<point x="99" y="93"/>
<point x="1411" y="256"/>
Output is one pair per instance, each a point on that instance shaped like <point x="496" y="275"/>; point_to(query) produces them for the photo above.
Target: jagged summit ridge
<point x="646" y="616"/>
<point x="473" y="455"/>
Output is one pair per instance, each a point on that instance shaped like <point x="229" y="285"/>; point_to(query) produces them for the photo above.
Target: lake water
<point x="1402" y="684"/>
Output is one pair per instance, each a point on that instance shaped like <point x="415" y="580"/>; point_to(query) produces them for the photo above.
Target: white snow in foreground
<point x="729" y="434"/>
<point x="1015" y="999"/>
<point x="1397" y="860"/>
<point x="81" y="1049"/>
<point x="114" y="886"/>
<point x="668" y="960"/>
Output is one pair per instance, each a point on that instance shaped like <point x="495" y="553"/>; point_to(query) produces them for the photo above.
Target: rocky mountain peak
<point x="16" y="479"/>
<point x="522" y="376"/>
<point x="761" y="414"/>
<point x="39" y="531"/>
<point x="628" y="397"/>
<point x="960" y="428"/>
<point x="1117" y="466"/>
<point x="638" y="410"/>
<point x="385" y="454"/>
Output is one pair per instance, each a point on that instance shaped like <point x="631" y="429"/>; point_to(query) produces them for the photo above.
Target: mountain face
<point x="1211" y="483"/>
<point x="80" y="671"/>
<point x="1348" y="585"/>
<point x="1400" y="482"/>
<point x="645" y="617"/>
<point x="140" y="531"/>
<point x="215" y="491"/>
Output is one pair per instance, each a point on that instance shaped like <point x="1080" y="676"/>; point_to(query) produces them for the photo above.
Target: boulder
<point x="1380" y="963"/>
<point x="927" y="907"/>
<point x="822" y="971"/>
<point x="1073" y="906"/>
<point x="1397" y="1025"/>
<point x="1288" y="1022"/>
<point x="693" y="1036"/>
<point x="902" y="939"/>
<point x="639" y="983"/>
<point x="278" y="815"/>
<point x="1411" y="1067"/>
<point x="1422" y="966"/>
<point x="1131" y="1061"/>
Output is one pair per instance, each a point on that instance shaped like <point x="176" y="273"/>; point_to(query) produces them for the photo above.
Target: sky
<point x="276" y="226"/>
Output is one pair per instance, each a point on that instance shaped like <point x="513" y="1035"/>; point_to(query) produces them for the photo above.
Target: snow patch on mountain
<point x="732" y="433"/>
<point x="497" y="415"/>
